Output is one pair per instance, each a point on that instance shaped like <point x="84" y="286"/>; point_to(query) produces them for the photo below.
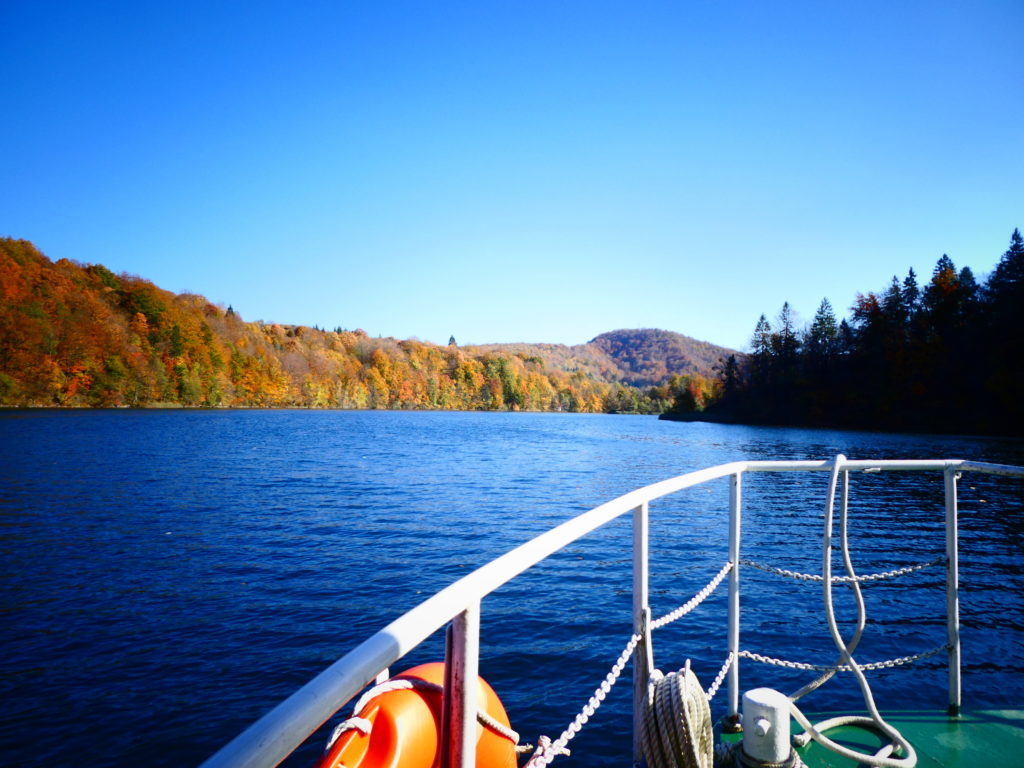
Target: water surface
<point x="169" y="576"/>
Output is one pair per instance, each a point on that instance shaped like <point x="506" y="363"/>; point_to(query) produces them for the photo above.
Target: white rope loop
<point x="881" y="759"/>
<point x="364" y="726"/>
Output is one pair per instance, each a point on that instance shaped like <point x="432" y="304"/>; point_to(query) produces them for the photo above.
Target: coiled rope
<point x="677" y="722"/>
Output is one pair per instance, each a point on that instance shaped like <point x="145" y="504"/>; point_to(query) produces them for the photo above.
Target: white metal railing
<point x="278" y="733"/>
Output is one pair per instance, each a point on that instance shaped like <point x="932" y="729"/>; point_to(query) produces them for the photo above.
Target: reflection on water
<point x="167" y="577"/>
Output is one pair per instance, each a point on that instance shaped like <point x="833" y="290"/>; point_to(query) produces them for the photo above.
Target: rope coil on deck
<point x="677" y="722"/>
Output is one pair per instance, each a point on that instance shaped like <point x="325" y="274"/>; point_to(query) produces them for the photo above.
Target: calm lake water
<point x="169" y="576"/>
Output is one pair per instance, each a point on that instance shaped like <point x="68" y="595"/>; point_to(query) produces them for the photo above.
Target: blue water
<point x="169" y="576"/>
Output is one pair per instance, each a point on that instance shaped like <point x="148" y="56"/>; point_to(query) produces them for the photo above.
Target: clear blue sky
<point x="520" y="171"/>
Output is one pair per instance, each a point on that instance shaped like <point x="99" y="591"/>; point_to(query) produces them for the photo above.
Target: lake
<point x="169" y="576"/>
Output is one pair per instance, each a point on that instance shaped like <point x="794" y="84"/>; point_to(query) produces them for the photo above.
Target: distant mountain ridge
<point x="641" y="357"/>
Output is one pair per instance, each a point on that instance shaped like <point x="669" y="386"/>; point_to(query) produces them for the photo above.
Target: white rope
<point x="887" y="664"/>
<point x="546" y="752"/>
<point x="720" y="677"/>
<point x="395" y="684"/>
<point x="363" y="725"/>
<point x="882" y="758"/>
<point x="543" y="757"/>
<point x="844" y="579"/>
<point x="360" y="724"/>
<point x="694" y="601"/>
<point x="405" y="684"/>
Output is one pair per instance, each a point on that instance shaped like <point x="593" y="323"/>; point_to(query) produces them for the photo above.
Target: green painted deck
<point x="973" y="740"/>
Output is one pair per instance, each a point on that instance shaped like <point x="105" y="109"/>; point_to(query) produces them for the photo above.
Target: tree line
<point x="78" y="335"/>
<point x="947" y="356"/>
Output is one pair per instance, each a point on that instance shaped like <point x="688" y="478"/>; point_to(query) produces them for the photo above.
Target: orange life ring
<point x="406" y="725"/>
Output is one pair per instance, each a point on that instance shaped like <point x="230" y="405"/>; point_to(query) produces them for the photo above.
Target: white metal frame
<point x="274" y="736"/>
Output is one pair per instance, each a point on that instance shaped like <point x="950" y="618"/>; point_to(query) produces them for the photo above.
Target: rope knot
<point x="546" y="752"/>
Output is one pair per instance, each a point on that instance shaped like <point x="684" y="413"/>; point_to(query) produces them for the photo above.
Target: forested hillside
<point x="78" y="335"/>
<point x="648" y="356"/>
<point x="643" y="357"/>
<point x="947" y="356"/>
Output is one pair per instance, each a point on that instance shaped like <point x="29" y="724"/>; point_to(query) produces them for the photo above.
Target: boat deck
<point x="993" y="737"/>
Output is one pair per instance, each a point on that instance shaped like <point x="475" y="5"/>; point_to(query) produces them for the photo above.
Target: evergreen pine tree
<point x="941" y="296"/>
<point x="761" y="351"/>
<point x="911" y="294"/>
<point x="823" y="335"/>
<point x="847" y="338"/>
<point x="785" y="341"/>
<point x="1005" y="341"/>
<point x="1006" y="284"/>
<point x="893" y="308"/>
<point x="761" y="341"/>
<point x="969" y="294"/>
<point x="730" y="371"/>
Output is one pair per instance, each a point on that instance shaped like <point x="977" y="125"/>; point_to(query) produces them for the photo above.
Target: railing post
<point x="735" y="505"/>
<point x="952" y="591"/>
<point x="459" y="703"/>
<point x="643" y="660"/>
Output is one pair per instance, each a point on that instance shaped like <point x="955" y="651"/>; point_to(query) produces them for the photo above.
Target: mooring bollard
<point x="766" y="738"/>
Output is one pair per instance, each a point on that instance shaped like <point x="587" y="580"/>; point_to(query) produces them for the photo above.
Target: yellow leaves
<point x="316" y="393"/>
<point x="469" y="376"/>
<point x="53" y="378"/>
<point x="381" y="362"/>
<point x="377" y="386"/>
<point x="496" y="400"/>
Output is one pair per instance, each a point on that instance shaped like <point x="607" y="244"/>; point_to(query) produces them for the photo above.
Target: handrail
<point x="278" y="733"/>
